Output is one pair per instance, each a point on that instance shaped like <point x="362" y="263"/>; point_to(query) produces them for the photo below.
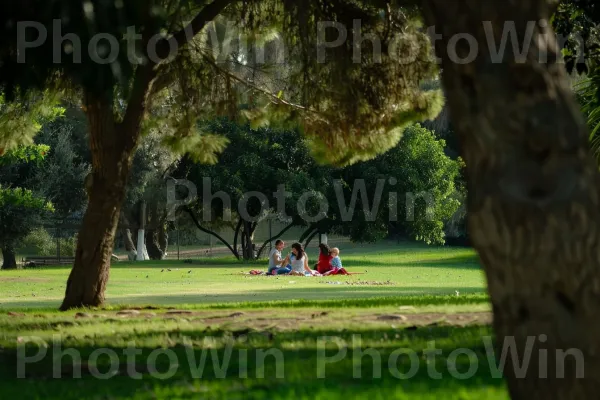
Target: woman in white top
<point x="300" y="262"/>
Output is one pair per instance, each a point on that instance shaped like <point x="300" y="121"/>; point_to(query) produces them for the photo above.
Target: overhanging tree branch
<point x="146" y="74"/>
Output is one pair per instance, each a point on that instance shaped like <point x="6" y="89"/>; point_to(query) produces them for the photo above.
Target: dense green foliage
<point x="576" y="21"/>
<point x="411" y="189"/>
<point x="22" y="118"/>
<point x="588" y="92"/>
<point x="38" y="242"/>
<point x="62" y="175"/>
<point x="20" y="212"/>
<point x="349" y="98"/>
<point x="54" y="169"/>
<point x="420" y="179"/>
<point x="579" y="22"/>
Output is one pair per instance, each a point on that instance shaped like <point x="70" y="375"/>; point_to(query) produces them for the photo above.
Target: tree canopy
<point x="331" y="91"/>
<point x="268" y="173"/>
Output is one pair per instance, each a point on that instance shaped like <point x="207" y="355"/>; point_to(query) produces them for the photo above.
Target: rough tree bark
<point x="112" y="145"/>
<point x="9" y="258"/>
<point x="533" y="202"/>
<point x="112" y="151"/>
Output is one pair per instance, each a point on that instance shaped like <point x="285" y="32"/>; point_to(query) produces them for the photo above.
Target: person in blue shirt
<point x="336" y="263"/>
<point x="275" y="261"/>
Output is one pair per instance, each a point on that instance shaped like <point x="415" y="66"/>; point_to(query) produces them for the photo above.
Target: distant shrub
<point x="39" y="242"/>
<point x="68" y="246"/>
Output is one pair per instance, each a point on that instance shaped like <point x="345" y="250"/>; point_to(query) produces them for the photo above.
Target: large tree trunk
<point x="10" y="259"/>
<point x="112" y="148"/>
<point x="533" y="199"/>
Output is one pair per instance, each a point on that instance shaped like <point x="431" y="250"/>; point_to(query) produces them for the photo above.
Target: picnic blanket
<point x="333" y="272"/>
<point x="257" y="272"/>
<point x="336" y="271"/>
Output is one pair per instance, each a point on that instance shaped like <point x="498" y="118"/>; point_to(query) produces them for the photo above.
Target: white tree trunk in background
<point x="142" y="253"/>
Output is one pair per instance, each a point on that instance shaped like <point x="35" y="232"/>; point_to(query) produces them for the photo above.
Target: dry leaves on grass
<point x="361" y="283"/>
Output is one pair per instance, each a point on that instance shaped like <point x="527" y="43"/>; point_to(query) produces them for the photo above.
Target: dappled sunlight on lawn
<point x="386" y="271"/>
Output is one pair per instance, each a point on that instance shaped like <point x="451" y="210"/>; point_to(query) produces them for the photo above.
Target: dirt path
<point x="289" y="319"/>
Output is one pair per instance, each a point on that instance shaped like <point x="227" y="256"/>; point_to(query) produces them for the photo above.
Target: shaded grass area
<point x="210" y="358"/>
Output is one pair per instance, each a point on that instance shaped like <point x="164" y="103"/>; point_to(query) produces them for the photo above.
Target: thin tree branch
<point x="310" y="238"/>
<point x="274" y="98"/>
<point x="206" y="230"/>
<point x="185" y="35"/>
<point x="284" y="230"/>
<point x="145" y="75"/>
<point x="307" y="232"/>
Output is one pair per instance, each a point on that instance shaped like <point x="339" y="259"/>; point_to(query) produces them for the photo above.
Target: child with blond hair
<point x="336" y="263"/>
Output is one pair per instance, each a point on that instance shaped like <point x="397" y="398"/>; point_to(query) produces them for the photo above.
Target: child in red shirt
<point x="324" y="264"/>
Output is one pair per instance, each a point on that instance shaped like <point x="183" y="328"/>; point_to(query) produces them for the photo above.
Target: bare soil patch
<point x="22" y="280"/>
<point x="288" y="320"/>
<point x="431" y="319"/>
<point x="295" y="319"/>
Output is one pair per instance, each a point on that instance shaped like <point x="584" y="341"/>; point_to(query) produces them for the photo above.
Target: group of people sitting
<point x="296" y="262"/>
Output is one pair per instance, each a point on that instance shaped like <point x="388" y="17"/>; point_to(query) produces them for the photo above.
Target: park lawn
<point x="294" y="341"/>
<point x="407" y="270"/>
<point x="428" y="295"/>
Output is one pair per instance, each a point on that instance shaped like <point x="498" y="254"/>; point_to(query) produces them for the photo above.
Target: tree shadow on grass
<point x="329" y="296"/>
<point x="332" y="292"/>
<point x="270" y="369"/>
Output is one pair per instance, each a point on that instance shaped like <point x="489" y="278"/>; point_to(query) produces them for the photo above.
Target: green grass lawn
<point x="211" y="315"/>
<point x="411" y="270"/>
